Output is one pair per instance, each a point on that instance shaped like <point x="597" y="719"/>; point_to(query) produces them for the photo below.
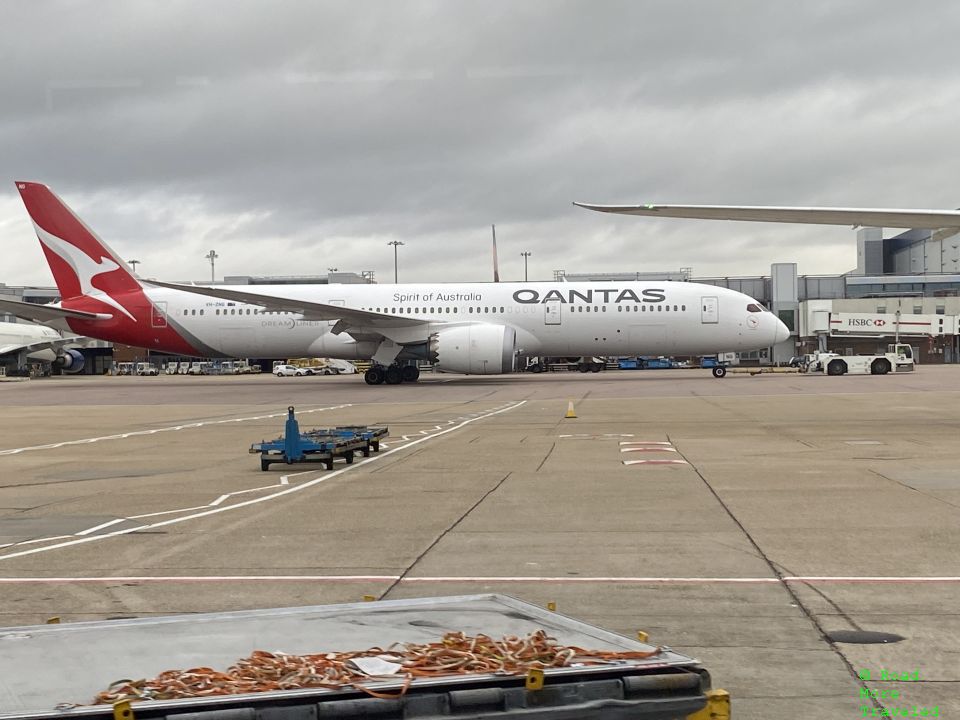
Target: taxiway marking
<point x="208" y="510"/>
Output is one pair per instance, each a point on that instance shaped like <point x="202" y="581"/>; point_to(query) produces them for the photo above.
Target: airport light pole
<point x="134" y="263"/>
<point x="525" y="254"/>
<point x="212" y="256"/>
<point x="395" y="243"/>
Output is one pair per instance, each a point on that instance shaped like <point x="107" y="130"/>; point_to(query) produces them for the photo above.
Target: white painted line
<point x="220" y="499"/>
<point x="481" y="579"/>
<point x="203" y="578"/>
<point x="280" y="493"/>
<point x="164" y="512"/>
<point x="646" y="442"/>
<point x="655" y="462"/>
<point x="172" y="428"/>
<point x="100" y="526"/>
<point x="647" y="449"/>
<point x="38" y="540"/>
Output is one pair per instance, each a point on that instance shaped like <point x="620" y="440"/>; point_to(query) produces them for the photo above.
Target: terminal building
<point x="905" y="288"/>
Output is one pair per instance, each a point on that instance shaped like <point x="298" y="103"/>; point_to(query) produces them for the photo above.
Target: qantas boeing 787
<point x="475" y="328"/>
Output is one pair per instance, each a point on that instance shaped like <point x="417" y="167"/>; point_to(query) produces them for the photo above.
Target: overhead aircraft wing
<point x="46" y="313"/>
<point x="857" y="217"/>
<point x="350" y="317"/>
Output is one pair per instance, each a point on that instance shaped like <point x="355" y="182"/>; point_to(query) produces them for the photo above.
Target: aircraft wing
<point x="350" y="317"/>
<point x="46" y="313"/>
<point x="53" y="344"/>
<point x="857" y="217"/>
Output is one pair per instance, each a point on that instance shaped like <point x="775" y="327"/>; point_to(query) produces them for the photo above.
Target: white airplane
<point x="39" y="342"/>
<point x="475" y="328"/>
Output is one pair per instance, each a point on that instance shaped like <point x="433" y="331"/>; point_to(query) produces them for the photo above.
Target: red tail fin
<point x="80" y="261"/>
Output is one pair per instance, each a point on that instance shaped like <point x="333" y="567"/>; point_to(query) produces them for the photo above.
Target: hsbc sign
<point x="890" y="324"/>
<point x="864" y="322"/>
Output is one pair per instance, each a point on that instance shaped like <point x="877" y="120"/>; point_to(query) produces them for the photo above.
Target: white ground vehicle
<point x="898" y="358"/>
<point x="198" y="368"/>
<point x="291" y="370"/>
<point x="145" y="368"/>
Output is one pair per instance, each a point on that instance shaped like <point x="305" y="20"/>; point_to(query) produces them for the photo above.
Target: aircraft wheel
<point x="410" y="373"/>
<point x="374" y="376"/>
<point x="595" y="367"/>
<point x="393" y="375"/>
<point x="583" y="367"/>
<point x="719" y="371"/>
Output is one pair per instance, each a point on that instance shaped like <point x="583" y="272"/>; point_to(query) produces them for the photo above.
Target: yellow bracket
<point x="55" y="620"/>
<point x="718" y="707"/>
<point x="122" y="710"/>
<point x="642" y="636"/>
<point x="369" y="598"/>
<point x="552" y="606"/>
<point x="535" y="679"/>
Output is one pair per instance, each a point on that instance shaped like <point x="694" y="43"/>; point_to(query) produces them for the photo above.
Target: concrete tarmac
<point x="740" y="521"/>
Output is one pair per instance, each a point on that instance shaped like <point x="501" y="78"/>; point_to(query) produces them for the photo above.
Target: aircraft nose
<point x="782" y="332"/>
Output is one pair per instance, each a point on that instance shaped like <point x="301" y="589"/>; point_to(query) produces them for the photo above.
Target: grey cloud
<point x="330" y="128"/>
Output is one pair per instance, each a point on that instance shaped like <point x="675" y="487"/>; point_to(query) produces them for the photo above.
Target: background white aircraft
<point x="38" y="342"/>
<point x="473" y="328"/>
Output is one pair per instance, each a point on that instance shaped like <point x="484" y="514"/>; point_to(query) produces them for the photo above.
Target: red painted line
<point x="333" y="579"/>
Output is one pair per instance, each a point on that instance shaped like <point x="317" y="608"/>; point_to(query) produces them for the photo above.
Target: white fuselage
<point x="550" y="318"/>
<point x="14" y="336"/>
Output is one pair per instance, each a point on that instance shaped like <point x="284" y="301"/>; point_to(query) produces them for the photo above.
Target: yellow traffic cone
<point x="570" y="411"/>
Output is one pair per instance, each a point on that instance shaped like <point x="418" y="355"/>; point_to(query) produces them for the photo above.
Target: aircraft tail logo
<point x="81" y="263"/>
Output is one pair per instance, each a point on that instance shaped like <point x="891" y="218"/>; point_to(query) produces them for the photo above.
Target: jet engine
<point x="70" y="361"/>
<point x="476" y="349"/>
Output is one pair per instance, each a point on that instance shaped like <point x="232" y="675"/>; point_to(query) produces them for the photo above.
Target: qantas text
<point x="651" y="295"/>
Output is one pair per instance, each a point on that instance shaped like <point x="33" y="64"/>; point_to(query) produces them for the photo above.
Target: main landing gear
<point x="391" y="375"/>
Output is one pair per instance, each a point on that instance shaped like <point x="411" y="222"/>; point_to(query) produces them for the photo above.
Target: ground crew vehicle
<point x="897" y="358"/>
<point x="198" y="368"/>
<point x="145" y="368"/>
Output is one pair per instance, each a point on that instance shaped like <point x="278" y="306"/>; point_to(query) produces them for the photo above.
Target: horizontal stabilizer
<point x="46" y="313"/>
<point x="856" y="217"/>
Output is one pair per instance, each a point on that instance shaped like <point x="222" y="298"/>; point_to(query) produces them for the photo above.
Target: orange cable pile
<point x="455" y="654"/>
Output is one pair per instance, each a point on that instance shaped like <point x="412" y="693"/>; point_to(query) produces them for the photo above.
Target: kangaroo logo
<point x="85" y="267"/>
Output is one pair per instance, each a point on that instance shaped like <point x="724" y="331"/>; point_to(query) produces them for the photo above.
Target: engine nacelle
<point x="70" y="361"/>
<point x="476" y="349"/>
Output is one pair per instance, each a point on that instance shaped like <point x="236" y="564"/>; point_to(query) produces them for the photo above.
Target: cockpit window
<point x="753" y="307"/>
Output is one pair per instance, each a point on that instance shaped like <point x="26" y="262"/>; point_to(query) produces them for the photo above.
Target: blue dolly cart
<point x="320" y="445"/>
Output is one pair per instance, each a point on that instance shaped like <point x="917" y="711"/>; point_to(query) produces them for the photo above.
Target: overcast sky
<point x="293" y="137"/>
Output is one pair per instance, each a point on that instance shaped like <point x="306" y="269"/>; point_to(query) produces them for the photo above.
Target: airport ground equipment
<point x="51" y="672"/>
<point x="897" y="358"/>
<point x="318" y="445"/>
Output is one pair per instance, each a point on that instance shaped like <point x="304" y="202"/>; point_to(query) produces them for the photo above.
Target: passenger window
<point x="201" y="312"/>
